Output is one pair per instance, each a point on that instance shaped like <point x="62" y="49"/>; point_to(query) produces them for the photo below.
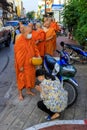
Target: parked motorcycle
<point x="76" y="53"/>
<point x="60" y="69"/>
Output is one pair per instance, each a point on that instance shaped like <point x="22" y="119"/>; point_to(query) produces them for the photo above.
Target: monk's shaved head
<point x="27" y="29"/>
<point x="30" y="25"/>
<point x="45" y="19"/>
<point x="21" y="28"/>
<point x="38" y="25"/>
<point x="47" y="24"/>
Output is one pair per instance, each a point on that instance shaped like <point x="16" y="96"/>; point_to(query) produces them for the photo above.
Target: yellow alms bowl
<point x="36" y="60"/>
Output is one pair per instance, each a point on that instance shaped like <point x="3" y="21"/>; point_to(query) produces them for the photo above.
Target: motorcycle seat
<point x="50" y="62"/>
<point x="85" y="54"/>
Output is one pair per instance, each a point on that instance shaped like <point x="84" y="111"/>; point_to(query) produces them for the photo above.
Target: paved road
<point x="6" y="74"/>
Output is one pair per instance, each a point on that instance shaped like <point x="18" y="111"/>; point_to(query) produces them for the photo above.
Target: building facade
<point x="54" y="7"/>
<point x="5" y="10"/>
<point x="57" y="8"/>
<point x="41" y="6"/>
<point x="23" y="11"/>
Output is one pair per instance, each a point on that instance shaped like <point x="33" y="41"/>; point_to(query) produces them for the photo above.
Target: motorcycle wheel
<point x="72" y="92"/>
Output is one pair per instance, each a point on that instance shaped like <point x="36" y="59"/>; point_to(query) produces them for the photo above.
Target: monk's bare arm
<point x="49" y="38"/>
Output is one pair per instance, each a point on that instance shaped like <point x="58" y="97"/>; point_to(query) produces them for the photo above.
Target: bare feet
<point x="30" y="93"/>
<point x="20" y="97"/>
<point x="56" y="115"/>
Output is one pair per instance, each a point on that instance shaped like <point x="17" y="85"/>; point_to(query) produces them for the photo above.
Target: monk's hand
<point x="21" y="69"/>
<point x="38" y="88"/>
<point x="30" y="61"/>
<point x="39" y="56"/>
<point x="37" y="42"/>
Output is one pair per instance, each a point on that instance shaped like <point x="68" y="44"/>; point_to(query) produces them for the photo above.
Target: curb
<point x="57" y="122"/>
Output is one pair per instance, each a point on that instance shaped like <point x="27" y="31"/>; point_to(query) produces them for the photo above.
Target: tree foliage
<point x="75" y="16"/>
<point x="31" y="15"/>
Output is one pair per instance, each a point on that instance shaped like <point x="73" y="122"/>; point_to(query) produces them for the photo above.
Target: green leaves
<point x="75" y="15"/>
<point x="30" y="15"/>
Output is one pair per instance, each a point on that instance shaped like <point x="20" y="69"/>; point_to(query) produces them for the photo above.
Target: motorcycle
<point x="76" y="53"/>
<point x="60" y="69"/>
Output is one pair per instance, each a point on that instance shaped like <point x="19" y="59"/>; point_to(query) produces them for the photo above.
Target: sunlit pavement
<point x="21" y="115"/>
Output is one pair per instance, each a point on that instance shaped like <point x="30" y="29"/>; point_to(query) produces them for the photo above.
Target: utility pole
<point x="45" y="7"/>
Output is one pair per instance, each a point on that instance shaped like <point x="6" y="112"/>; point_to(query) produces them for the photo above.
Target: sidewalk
<point x="64" y="39"/>
<point x="20" y="115"/>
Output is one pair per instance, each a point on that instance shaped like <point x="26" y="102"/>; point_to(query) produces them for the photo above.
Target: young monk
<point x="40" y="39"/>
<point x="50" y="35"/>
<point x="53" y="25"/>
<point x="24" y="50"/>
<point x="34" y="33"/>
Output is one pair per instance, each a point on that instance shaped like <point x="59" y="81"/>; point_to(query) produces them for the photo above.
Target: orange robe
<point x="55" y="27"/>
<point x="49" y="46"/>
<point x="34" y="35"/>
<point x="24" y="50"/>
<point x="41" y="35"/>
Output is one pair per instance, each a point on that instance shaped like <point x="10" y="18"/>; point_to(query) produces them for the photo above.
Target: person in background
<point x="70" y="31"/>
<point x="24" y="50"/>
<point x="54" y="97"/>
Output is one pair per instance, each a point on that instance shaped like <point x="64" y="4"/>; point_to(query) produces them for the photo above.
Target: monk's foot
<point x="30" y="93"/>
<point x="20" y="98"/>
<point x="56" y="115"/>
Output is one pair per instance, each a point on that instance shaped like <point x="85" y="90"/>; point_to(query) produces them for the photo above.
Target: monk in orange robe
<point x="34" y="33"/>
<point x="54" y="25"/>
<point x="40" y="39"/>
<point x="24" y="50"/>
<point x="50" y="34"/>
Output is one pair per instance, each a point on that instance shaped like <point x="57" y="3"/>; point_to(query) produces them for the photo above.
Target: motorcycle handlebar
<point x="58" y="51"/>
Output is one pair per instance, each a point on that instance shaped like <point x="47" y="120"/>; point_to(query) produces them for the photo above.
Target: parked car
<point x="5" y="35"/>
<point x="15" y="25"/>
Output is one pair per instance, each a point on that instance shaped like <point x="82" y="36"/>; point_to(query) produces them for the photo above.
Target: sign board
<point x="57" y="6"/>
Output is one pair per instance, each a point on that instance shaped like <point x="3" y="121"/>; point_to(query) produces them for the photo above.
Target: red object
<point x="66" y="127"/>
<point x="85" y="122"/>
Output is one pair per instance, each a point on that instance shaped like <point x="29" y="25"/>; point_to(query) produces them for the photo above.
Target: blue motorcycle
<point x="62" y="70"/>
<point x="76" y="53"/>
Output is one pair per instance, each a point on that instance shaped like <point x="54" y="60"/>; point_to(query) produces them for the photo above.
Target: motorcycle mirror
<point x="62" y="44"/>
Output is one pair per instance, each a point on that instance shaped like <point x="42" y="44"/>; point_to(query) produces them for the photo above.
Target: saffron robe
<point x="55" y="27"/>
<point x="49" y="46"/>
<point x="34" y="35"/>
<point x="24" y="50"/>
<point x="41" y="36"/>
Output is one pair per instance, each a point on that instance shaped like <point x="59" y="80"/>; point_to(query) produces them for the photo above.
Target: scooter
<point x="76" y="53"/>
<point x="60" y="69"/>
